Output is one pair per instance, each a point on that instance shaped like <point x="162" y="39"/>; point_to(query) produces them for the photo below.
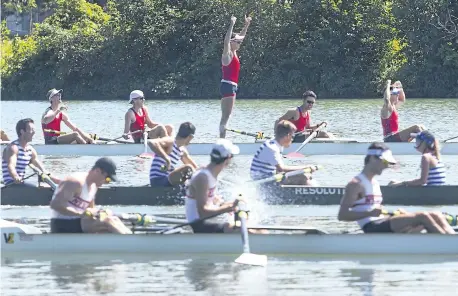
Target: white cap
<point x="136" y="94"/>
<point x="383" y="154"/>
<point x="224" y="148"/>
<point x="53" y="92"/>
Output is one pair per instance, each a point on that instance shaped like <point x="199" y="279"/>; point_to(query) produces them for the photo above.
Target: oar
<point x="282" y="176"/>
<point x="116" y="139"/>
<point x="12" y="183"/>
<point x="45" y="178"/>
<point x="258" y="135"/>
<point x="140" y="219"/>
<point x="451" y="219"/>
<point x="247" y="257"/>
<point x="145" y="153"/>
<point x="309" y="138"/>
<point x="450" y="139"/>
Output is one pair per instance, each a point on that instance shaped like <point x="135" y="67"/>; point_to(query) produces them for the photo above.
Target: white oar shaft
<point x="282" y="176"/>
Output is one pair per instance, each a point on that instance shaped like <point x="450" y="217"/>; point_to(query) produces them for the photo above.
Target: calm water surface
<point x="205" y="275"/>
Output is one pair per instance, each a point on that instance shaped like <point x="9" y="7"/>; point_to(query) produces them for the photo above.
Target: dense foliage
<point x="173" y="48"/>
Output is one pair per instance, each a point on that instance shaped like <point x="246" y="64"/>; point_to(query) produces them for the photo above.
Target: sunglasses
<point x="310" y="102"/>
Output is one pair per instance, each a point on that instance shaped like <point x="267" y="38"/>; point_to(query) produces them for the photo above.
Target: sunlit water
<point x="209" y="275"/>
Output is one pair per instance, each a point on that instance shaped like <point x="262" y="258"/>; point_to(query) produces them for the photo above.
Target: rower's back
<point x="192" y="212"/>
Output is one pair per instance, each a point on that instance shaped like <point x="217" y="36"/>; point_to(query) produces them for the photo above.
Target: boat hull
<point x="284" y="195"/>
<point x="206" y="244"/>
<point x="317" y="147"/>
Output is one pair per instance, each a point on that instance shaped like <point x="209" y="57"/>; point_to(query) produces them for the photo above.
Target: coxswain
<point x="18" y="154"/>
<point x="73" y="203"/>
<point x="53" y="116"/>
<point x="268" y="160"/>
<point x="301" y="118"/>
<point x="202" y="199"/>
<point x="137" y="117"/>
<point x="393" y="96"/>
<point x="432" y="168"/>
<point x="230" y="71"/>
<point x="168" y="151"/>
<point x="362" y="201"/>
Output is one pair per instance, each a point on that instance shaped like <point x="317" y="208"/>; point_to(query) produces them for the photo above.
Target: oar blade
<point x="294" y="155"/>
<point x="252" y="259"/>
<point x="146" y="155"/>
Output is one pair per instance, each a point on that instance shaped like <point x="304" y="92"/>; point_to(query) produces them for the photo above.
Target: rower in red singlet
<point x="230" y="69"/>
<point x="52" y="118"/>
<point x="393" y="96"/>
<point x="300" y="117"/>
<point x="136" y="118"/>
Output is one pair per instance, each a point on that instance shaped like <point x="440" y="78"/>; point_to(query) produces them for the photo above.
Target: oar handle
<point x="47" y="130"/>
<point x="258" y="135"/>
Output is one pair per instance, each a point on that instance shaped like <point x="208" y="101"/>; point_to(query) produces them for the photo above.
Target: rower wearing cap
<point x="19" y="154"/>
<point x="231" y="69"/>
<point x="137" y="117"/>
<point x="53" y="116"/>
<point x="301" y="118"/>
<point x="201" y="193"/>
<point x="393" y="97"/>
<point x="268" y="160"/>
<point x="362" y="201"/>
<point x="168" y="151"/>
<point x="73" y="202"/>
<point x="432" y="169"/>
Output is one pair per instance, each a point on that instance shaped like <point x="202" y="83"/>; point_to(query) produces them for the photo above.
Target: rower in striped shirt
<point x="432" y="168"/>
<point x="268" y="160"/>
<point x="168" y="151"/>
<point x="19" y="153"/>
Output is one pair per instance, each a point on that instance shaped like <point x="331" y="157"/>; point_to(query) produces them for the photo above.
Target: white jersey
<point x="79" y="203"/>
<point x="192" y="213"/>
<point x="372" y="198"/>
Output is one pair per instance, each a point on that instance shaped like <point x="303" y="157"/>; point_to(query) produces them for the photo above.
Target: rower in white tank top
<point x="372" y="199"/>
<point x="192" y="214"/>
<point x="79" y="203"/>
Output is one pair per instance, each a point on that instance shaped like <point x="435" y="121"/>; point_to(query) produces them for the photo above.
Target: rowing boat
<point x="283" y="195"/>
<point x="316" y="147"/>
<point x="25" y="239"/>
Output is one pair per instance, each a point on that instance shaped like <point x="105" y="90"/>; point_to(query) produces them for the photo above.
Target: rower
<point x="201" y="194"/>
<point x="4" y="136"/>
<point x="167" y="153"/>
<point x="432" y="168"/>
<point x="73" y="202"/>
<point x="136" y="118"/>
<point x="268" y="160"/>
<point x="393" y="97"/>
<point x="52" y="118"/>
<point x="362" y="201"/>
<point x="301" y="118"/>
<point x="231" y="70"/>
<point x="19" y="153"/>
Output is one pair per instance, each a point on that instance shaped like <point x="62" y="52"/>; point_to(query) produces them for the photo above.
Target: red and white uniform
<point x="139" y="124"/>
<point x="303" y="122"/>
<point x="372" y="199"/>
<point x="231" y="72"/>
<point x="390" y="125"/>
<point x="53" y="125"/>
<point x="192" y="213"/>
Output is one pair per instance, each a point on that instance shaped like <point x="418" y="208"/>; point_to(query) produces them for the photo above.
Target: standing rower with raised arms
<point x="393" y="97"/>
<point x="231" y="69"/>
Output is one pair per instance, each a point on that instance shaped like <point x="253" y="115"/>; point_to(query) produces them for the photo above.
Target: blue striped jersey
<point x="266" y="159"/>
<point x="23" y="159"/>
<point x="436" y="175"/>
<point x="158" y="162"/>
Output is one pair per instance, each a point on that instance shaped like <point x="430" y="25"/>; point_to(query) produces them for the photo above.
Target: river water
<point x="209" y="275"/>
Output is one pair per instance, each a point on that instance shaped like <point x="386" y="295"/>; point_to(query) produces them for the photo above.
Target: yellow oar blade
<point x="252" y="259"/>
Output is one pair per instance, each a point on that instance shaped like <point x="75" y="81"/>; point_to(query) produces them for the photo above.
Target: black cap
<point x="108" y="166"/>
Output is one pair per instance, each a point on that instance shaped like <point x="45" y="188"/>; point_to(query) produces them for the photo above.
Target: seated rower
<point x="432" y="169"/>
<point x="301" y="118"/>
<point x="393" y="97"/>
<point x="73" y="202"/>
<point x="136" y="118"/>
<point x="168" y="151"/>
<point x="4" y="136"/>
<point x="268" y="160"/>
<point x="362" y="201"/>
<point x="53" y="116"/>
<point x="19" y="153"/>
